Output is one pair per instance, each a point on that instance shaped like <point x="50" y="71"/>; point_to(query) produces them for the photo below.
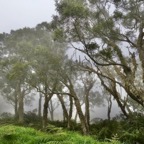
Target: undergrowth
<point x="10" y="134"/>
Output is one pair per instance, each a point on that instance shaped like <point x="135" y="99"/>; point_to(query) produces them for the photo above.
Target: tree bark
<point x="71" y="107"/>
<point x="39" y="106"/>
<point x="87" y="112"/>
<point x="84" y="126"/>
<point x="66" y="115"/>
<point x="21" y="107"/>
<point x="16" y="105"/>
<point x="51" y="110"/>
<point x="45" y="111"/>
<point x="114" y="93"/>
<point x="109" y="108"/>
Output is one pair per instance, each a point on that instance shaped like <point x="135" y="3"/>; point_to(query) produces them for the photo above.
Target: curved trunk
<point x="115" y="94"/>
<point x="65" y="111"/>
<point x="84" y="126"/>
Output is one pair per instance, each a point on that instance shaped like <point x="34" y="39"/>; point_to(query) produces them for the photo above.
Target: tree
<point x="88" y="93"/>
<point x="46" y="58"/>
<point x="67" y="78"/>
<point x="53" y="105"/>
<point x="15" y="70"/>
<point x="111" y="36"/>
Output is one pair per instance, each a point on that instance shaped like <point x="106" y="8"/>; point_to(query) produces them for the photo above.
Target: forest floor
<point x="11" y="134"/>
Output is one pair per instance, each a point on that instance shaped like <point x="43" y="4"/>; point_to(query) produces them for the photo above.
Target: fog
<point x="95" y="112"/>
<point x="17" y="14"/>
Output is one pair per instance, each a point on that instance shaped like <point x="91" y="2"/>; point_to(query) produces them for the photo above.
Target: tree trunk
<point x="68" y="117"/>
<point x="71" y="107"/>
<point x="75" y="119"/>
<point x="113" y="91"/>
<point x="109" y="108"/>
<point x="87" y="112"/>
<point x="45" y="112"/>
<point x="45" y="109"/>
<point x="21" y="107"/>
<point x="51" y="110"/>
<point x="84" y="125"/>
<point x="39" y="106"/>
<point x="16" y="106"/>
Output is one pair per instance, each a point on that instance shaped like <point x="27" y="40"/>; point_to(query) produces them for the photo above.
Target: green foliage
<point x="127" y="131"/>
<point x="31" y="118"/>
<point x="74" y="9"/>
<point x="7" y="118"/>
<point x="117" y="15"/>
<point x="63" y="124"/>
<point x="106" y="53"/>
<point x="21" y="135"/>
<point x="18" y="71"/>
<point x="58" y="34"/>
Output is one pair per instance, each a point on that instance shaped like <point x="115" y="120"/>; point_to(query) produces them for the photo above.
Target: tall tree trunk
<point x="68" y="117"/>
<point x="51" y="110"/>
<point x="109" y="108"/>
<point x="75" y="119"/>
<point x="45" y="111"/>
<point x="87" y="112"/>
<point x="21" y="107"/>
<point x="84" y="125"/>
<point x="39" y="106"/>
<point x="16" y="105"/>
<point x="113" y="91"/>
<point x="71" y="107"/>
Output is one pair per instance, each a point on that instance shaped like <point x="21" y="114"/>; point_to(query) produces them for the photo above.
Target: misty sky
<point x="15" y="14"/>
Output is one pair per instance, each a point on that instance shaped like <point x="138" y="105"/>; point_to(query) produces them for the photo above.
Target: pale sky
<point x="15" y="14"/>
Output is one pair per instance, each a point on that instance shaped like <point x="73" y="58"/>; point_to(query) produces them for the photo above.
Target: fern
<point x="59" y="142"/>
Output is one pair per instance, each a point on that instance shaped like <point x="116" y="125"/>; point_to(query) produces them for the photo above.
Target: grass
<point x="10" y="134"/>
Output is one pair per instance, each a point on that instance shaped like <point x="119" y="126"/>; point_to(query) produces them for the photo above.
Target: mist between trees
<point x="106" y="66"/>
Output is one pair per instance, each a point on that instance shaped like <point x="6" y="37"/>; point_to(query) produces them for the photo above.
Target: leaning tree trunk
<point x="75" y="118"/>
<point x="113" y="91"/>
<point x="68" y="117"/>
<point x="71" y="107"/>
<point x="84" y="126"/>
<point x="51" y="110"/>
